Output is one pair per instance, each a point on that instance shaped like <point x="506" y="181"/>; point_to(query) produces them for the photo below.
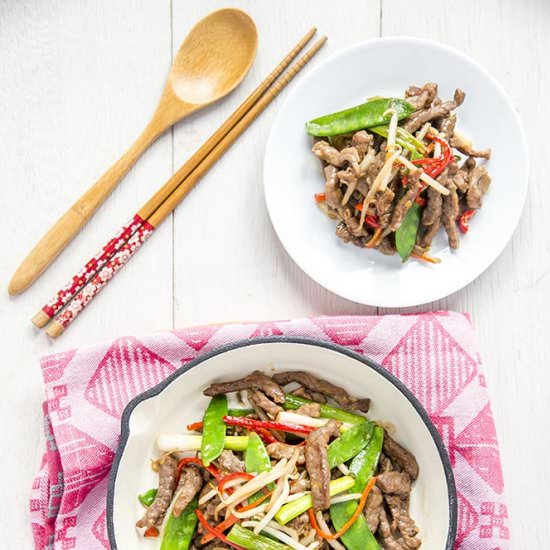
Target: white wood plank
<point x="510" y="301"/>
<point x="78" y="80"/>
<point x="229" y="264"/>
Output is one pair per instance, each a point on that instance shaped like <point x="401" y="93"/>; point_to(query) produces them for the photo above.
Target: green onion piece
<point x="147" y="498"/>
<point x="300" y="505"/>
<point x="249" y="540"/>
<point x="294" y="402"/>
<point x="239" y="412"/>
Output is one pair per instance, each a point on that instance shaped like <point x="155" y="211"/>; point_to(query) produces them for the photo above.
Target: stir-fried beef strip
<point x="167" y="472"/>
<point x="394" y="483"/>
<point x="450" y="213"/>
<point x="282" y="450"/>
<point x="435" y="111"/>
<point x="403" y="523"/>
<point x="374" y="502"/>
<point x="301" y="484"/>
<point x="257" y="380"/>
<point x="464" y="146"/>
<point x="332" y="190"/>
<point x="189" y="485"/>
<point x="479" y="181"/>
<point x="262" y="414"/>
<point x="400" y="456"/>
<point x="337" y="393"/>
<point x="310" y="409"/>
<point x="229" y="463"/>
<point x="406" y="201"/>
<point x="311" y="395"/>
<point x="386" y="534"/>
<point x="384" y="204"/>
<point x="260" y="399"/>
<point x="326" y="152"/>
<point x="317" y="463"/>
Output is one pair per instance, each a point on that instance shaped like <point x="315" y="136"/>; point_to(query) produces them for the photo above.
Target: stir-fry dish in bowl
<point x="297" y="465"/>
<point x="397" y="170"/>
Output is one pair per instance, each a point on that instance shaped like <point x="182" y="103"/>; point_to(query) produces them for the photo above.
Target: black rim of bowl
<point x="154" y="391"/>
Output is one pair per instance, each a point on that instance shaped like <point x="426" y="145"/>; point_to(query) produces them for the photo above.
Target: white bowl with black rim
<point x="169" y="406"/>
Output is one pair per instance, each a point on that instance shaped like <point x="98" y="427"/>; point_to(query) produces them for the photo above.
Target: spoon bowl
<point x="201" y="72"/>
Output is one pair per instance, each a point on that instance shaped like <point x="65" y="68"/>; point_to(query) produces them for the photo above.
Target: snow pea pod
<point x="294" y="402"/>
<point x="148" y="497"/>
<point x="359" y="536"/>
<point x="405" y="236"/>
<point x="366" y="115"/>
<point x="364" y="464"/>
<point x="213" y="432"/>
<point x="179" y="531"/>
<point x="349" y="443"/>
<point x="249" y="540"/>
<point x="256" y="460"/>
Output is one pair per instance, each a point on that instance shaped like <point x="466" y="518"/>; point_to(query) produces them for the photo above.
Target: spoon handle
<point x="72" y="221"/>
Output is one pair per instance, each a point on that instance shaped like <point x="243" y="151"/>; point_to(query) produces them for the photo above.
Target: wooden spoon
<point x="211" y="62"/>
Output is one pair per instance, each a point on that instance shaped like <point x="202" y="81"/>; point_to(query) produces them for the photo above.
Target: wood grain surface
<point x="79" y="80"/>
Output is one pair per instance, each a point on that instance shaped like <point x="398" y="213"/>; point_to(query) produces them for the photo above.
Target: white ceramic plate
<point x="179" y="400"/>
<point x="292" y="175"/>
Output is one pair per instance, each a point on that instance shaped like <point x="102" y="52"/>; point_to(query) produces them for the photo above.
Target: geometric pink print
<point x="478" y="445"/>
<point x="349" y="331"/>
<point x="99" y="529"/>
<point x="86" y="462"/>
<point x="127" y="369"/>
<point x="436" y="373"/>
<point x="467" y="519"/>
<point x="54" y="366"/>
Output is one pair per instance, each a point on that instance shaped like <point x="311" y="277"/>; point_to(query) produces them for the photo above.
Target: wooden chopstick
<point x="92" y="266"/>
<point x="81" y="300"/>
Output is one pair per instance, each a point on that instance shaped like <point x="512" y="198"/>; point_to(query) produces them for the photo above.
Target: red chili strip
<point x="151" y="532"/>
<point x="251" y="423"/>
<point x="194" y="460"/>
<point x="464" y="219"/>
<point x="195" y="426"/>
<point x="320" y="197"/>
<point x="216" y="532"/>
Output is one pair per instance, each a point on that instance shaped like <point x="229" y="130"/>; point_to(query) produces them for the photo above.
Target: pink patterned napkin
<point x="434" y="354"/>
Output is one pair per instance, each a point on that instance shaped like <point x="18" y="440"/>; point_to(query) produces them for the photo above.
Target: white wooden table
<point x="78" y="81"/>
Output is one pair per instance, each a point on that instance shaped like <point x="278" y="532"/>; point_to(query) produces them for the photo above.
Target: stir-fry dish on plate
<point x="397" y="170"/>
<point x="298" y="465"/>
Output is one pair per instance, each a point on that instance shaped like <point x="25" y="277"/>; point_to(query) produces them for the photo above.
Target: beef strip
<point x="427" y="234"/>
<point x="311" y="395"/>
<point x="403" y="522"/>
<point x="310" y="409"/>
<point x="362" y="141"/>
<point x="189" y="485"/>
<point x="400" y="456"/>
<point x="449" y="215"/>
<point x="319" y="385"/>
<point x="478" y="183"/>
<point x="432" y="212"/>
<point x="260" y="399"/>
<point x="281" y="450"/>
<point x="452" y="174"/>
<point x="257" y="380"/>
<point x="394" y="483"/>
<point x="353" y="223"/>
<point x="384" y="203"/>
<point x="372" y="508"/>
<point x="420" y="98"/>
<point x="465" y="146"/>
<point x="317" y="463"/>
<point x="332" y="188"/>
<point x="385" y="246"/>
<point x="435" y="111"/>
<point x="343" y="233"/>
<point x="228" y="462"/>
<point x="447" y="127"/>
<point x="352" y="157"/>
<point x="384" y="529"/>
<point x="405" y="202"/>
<point x="349" y="179"/>
<point x="154" y="515"/>
<point x="326" y="152"/>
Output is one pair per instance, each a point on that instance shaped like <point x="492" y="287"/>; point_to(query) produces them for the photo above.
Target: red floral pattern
<point x="65" y="294"/>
